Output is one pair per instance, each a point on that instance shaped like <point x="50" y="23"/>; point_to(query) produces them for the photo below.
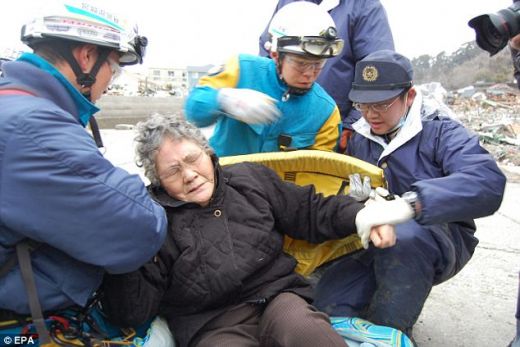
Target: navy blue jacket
<point x="456" y="179"/>
<point x="56" y="188"/>
<point x="363" y="25"/>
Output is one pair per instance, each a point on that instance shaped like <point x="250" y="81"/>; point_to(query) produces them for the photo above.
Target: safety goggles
<point x="115" y="68"/>
<point x="136" y="52"/>
<point x="381" y="107"/>
<point x="314" y="45"/>
<point x="303" y="66"/>
<point x="139" y="44"/>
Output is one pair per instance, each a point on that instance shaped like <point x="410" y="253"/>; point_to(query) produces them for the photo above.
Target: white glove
<point x="379" y="213"/>
<point x="380" y="194"/>
<point x="248" y="105"/>
<point x="360" y="191"/>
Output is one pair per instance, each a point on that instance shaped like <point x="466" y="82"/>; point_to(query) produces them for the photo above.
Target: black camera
<point x="495" y="29"/>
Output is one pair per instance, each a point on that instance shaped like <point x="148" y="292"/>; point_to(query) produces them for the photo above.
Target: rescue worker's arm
<point x="216" y="96"/>
<point x="63" y="193"/>
<point x="473" y="185"/>
<point x="381" y="212"/>
<point x="328" y="135"/>
<point x="202" y="107"/>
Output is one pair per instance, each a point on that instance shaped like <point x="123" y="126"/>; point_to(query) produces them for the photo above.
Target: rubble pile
<point x="494" y="114"/>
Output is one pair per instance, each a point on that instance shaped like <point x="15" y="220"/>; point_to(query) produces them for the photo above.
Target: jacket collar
<point x="411" y="127"/>
<point x="82" y="108"/>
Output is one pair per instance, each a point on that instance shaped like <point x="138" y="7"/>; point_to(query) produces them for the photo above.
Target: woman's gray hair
<point x="151" y="134"/>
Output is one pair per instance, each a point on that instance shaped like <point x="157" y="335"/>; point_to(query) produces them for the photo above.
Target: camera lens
<point x="493" y="37"/>
<point x="494" y="30"/>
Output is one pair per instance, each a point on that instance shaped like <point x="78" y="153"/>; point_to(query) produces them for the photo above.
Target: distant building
<point x="128" y="84"/>
<point x="195" y="73"/>
<point x="169" y="79"/>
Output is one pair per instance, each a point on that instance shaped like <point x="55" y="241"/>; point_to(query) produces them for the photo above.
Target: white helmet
<point x="304" y="28"/>
<point x="83" y="22"/>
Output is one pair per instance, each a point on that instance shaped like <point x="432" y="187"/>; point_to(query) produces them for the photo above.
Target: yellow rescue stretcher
<point x="329" y="173"/>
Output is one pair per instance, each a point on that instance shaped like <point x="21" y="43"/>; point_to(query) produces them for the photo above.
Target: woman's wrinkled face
<point x="185" y="171"/>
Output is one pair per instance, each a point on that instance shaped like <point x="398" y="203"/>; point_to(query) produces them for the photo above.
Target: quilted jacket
<point x="229" y="252"/>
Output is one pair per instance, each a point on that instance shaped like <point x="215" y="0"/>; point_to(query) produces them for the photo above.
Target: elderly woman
<point x="222" y="278"/>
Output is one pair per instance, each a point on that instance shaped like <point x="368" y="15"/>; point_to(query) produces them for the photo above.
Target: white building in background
<point x="195" y="73"/>
<point x="128" y="84"/>
<point x="159" y="81"/>
<point x="172" y="79"/>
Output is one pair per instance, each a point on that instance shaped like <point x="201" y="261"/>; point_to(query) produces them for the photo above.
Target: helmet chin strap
<point x="290" y="89"/>
<point x="86" y="80"/>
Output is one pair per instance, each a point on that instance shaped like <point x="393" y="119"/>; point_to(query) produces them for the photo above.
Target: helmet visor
<point x="318" y="46"/>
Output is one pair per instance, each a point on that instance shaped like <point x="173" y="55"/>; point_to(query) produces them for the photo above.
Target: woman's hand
<point x="383" y="236"/>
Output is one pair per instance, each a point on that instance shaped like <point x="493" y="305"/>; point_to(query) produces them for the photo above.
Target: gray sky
<point x="198" y="32"/>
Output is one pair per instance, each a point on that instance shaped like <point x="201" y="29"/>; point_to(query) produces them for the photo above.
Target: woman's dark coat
<point x="228" y="252"/>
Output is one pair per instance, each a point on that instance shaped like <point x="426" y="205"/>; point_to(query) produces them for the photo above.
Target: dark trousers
<point x="389" y="286"/>
<point x="288" y="320"/>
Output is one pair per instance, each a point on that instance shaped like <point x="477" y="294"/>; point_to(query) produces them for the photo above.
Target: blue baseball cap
<point x="380" y="76"/>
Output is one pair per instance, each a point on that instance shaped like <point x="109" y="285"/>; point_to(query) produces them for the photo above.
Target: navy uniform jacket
<point x="456" y="179"/>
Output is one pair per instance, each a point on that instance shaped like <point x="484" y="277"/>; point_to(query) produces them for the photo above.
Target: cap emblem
<point x="370" y="73"/>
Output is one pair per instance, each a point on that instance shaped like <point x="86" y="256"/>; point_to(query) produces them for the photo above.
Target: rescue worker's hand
<point x="379" y="213"/>
<point x="346" y="134"/>
<point x="248" y="105"/>
<point x="383" y="236"/>
<point x="360" y="191"/>
<point x="380" y="194"/>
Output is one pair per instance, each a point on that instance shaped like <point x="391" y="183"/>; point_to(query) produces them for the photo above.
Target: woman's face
<point x="185" y="171"/>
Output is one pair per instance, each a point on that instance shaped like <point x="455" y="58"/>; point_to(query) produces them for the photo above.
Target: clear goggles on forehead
<point x="314" y="45"/>
<point x="138" y="45"/>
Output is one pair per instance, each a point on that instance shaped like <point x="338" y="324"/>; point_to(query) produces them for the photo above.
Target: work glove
<point x="248" y="105"/>
<point x="381" y="212"/>
<point x="362" y="191"/>
<point x="359" y="190"/>
<point x="380" y="194"/>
